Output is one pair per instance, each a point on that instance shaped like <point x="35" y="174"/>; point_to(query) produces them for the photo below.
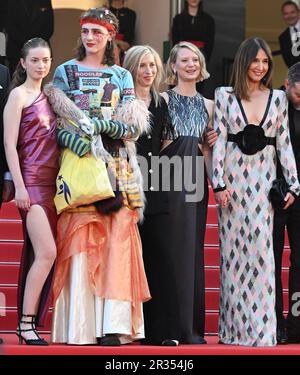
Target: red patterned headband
<point x="103" y="23"/>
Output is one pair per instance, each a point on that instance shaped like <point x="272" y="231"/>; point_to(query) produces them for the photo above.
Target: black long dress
<point x="173" y="237"/>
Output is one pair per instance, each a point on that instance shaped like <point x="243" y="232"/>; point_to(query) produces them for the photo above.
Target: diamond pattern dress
<point x="247" y="290"/>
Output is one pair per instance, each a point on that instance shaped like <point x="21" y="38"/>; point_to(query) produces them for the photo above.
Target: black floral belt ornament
<point x="252" y="139"/>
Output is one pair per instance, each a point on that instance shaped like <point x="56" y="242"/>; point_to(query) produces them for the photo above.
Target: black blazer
<point x="294" y="129"/>
<point x="26" y="19"/>
<point x="4" y="83"/>
<point x="199" y="28"/>
<point x="286" y="48"/>
<point x="148" y="146"/>
<point x="294" y="126"/>
<point x="126" y="18"/>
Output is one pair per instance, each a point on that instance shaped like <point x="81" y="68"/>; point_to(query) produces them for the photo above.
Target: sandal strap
<point x="26" y="330"/>
<point x="19" y="331"/>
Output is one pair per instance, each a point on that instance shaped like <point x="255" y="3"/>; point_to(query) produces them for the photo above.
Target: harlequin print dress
<point x="247" y="290"/>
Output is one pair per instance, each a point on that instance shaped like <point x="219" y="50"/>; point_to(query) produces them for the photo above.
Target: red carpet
<point x="11" y="347"/>
<point x="10" y="250"/>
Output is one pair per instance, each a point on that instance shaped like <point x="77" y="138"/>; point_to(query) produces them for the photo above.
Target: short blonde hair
<point x="171" y="76"/>
<point x="132" y="60"/>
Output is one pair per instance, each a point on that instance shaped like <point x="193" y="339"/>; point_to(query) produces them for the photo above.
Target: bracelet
<point x="216" y="190"/>
<point x="293" y="194"/>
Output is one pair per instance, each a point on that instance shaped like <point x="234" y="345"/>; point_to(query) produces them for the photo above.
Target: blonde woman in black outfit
<point x="161" y="314"/>
<point x="145" y="65"/>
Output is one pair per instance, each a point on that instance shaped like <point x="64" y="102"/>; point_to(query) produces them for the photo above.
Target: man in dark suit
<point x="126" y="18"/>
<point x="289" y="330"/>
<point x="6" y="183"/>
<point x="291" y="35"/>
<point x="23" y="20"/>
<point x="6" y="186"/>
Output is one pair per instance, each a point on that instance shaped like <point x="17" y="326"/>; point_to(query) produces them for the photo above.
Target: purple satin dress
<point x="39" y="153"/>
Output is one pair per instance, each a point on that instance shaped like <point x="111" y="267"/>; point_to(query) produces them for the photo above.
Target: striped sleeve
<point x="114" y="129"/>
<point x="74" y="142"/>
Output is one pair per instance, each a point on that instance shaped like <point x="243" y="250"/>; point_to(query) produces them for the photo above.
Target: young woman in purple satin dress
<point x="33" y="158"/>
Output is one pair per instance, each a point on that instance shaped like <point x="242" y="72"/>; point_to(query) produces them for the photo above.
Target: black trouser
<point x="291" y="220"/>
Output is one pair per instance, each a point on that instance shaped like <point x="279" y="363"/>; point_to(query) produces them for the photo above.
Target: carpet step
<point x="10" y="230"/>
<point x="10" y="251"/>
<point x="9" y="273"/>
<point x="9" y="211"/>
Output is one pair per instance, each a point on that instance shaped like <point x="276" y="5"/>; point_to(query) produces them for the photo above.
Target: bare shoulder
<point x="17" y="95"/>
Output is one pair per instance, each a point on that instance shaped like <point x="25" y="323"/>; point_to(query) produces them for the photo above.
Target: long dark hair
<point x="99" y="14"/>
<point x="19" y="76"/>
<point x="200" y="7"/>
<point x="244" y="57"/>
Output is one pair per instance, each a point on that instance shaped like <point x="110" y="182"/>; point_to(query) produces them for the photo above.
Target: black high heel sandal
<point x="38" y="341"/>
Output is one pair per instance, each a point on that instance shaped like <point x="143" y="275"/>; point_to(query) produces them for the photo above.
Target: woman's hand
<point x="289" y="199"/>
<point x="211" y="137"/>
<point x="87" y="126"/>
<point x="22" y="199"/>
<point x="222" y="198"/>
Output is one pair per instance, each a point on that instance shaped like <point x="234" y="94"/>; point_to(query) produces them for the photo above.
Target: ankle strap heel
<point x="38" y="341"/>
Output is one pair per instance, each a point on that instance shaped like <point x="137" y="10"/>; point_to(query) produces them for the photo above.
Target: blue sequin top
<point x="188" y="116"/>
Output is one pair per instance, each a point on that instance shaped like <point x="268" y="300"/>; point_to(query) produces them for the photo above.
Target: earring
<point x="108" y="45"/>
